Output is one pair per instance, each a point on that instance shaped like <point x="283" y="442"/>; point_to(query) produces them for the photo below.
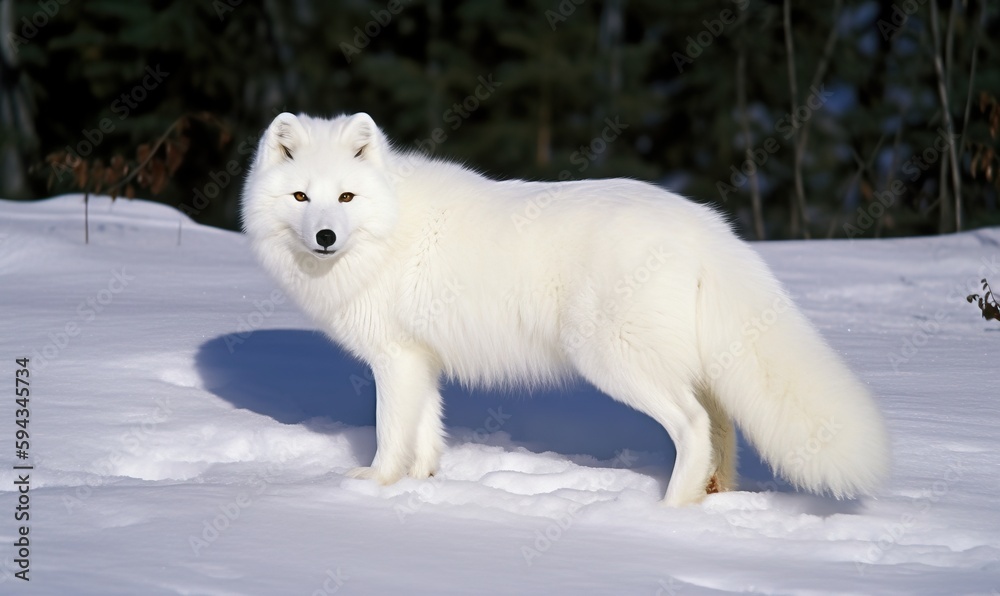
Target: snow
<point x="190" y="432"/>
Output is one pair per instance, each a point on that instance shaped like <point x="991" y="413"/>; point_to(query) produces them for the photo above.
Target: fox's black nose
<point x="325" y="238"/>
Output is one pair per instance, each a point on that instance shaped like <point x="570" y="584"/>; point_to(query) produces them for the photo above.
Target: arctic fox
<point x="424" y="269"/>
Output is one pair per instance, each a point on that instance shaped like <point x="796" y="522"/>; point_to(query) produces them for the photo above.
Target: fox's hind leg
<point x="688" y="425"/>
<point x="670" y="400"/>
<point x="430" y="439"/>
<point x="724" y="452"/>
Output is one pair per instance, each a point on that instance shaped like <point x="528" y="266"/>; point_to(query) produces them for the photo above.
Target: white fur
<point x="650" y="297"/>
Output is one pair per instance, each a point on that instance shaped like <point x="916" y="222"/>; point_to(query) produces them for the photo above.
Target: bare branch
<point x="741" y="98"/>
<point x="801" y="134"/>
<point x="790" y="55"/>
<point x="800" y="194"/>
<point x="977" y="32"/>
<point x="152" y="153"/>
<point x="945" y="107"/>
<point x="824" y="62"/>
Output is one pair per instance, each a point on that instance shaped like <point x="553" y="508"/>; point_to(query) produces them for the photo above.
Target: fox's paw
<point x="423" y="471"/>
<point x="722" y="482"/>
<point x="425" y="464"/>
<point x="373" y="473"/>
<point x="361" y="473"/>
<point x="714" y="486"/>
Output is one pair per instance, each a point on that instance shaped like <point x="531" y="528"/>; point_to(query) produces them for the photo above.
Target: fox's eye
<point x="346" y="197"/>
<point x="300" y="196"/>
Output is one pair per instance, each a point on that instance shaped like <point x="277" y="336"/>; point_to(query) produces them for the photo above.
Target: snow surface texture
<point x="192" y="434"/>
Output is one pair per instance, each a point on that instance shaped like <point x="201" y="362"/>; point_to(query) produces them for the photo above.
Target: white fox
<point x="423" y="269"/>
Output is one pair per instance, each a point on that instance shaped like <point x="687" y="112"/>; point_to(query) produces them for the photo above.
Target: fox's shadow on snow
<point x="300" y="377"/>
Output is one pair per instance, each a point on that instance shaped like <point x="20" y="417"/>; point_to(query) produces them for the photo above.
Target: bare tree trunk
<point x="945" y="219"/>
<point x="17" y="130"/>
<point x="543" y="141"/>
<point x="946" y="109"/>
<point x="741" y="98"/>
<point x="543" y="138"/>
<point x="800" y="137"/>
<point x="432" y="66"/>
<point x="832" y="228"/>
<point x="823" y="65"/>
<point x="891" y="170"/>
<point x="800" y="193"/>
<point x="976" y="33"/>
<point x="946" y="211"/>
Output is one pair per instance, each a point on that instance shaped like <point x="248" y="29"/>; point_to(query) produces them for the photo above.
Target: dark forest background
<point x="819" y="119"/>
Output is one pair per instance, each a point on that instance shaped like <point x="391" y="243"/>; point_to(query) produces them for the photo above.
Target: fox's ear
<point x="283" y="138"/>
<point x="363" y="137"/>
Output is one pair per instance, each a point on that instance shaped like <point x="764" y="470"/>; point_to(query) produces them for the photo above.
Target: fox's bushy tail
<point x="792" y="396"/>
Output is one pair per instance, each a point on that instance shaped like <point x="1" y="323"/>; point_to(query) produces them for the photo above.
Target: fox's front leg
<point x="408" y="429"/>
